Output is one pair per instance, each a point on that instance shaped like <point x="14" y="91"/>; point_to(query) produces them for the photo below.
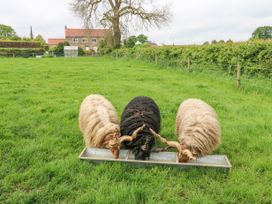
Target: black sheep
<point x="138" y="112"/>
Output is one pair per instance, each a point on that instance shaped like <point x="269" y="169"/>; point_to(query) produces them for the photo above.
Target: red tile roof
<point x="71" y="32"/>
<point x="55" y="41"/>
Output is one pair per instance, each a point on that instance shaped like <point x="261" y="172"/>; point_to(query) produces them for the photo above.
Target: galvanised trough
<point x="159" y="158"/>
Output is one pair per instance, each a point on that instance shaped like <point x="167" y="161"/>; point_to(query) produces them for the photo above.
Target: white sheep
<point x="98" y="121"/>
<point x="197" y="128"/>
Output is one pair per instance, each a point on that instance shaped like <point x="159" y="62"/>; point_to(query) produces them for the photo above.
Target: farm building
<point x="70" y="51"/>
<point x="88" y="39"/>
<point x="53" y="42"/>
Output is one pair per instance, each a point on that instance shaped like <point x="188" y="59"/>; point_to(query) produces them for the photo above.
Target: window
<point x="84" y="40"/>
<point x="75" y="40"/>
<point x="94" y="40"/>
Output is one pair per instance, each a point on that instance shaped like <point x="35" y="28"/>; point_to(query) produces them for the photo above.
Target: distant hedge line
<point x="21" y="52"/>
<point x="255" y="57"/>
<point x="19" y="44"/>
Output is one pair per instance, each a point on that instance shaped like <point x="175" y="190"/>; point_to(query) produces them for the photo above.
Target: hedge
<point x="21" y="52"/>
<point x="255" y="57"/>
<point x="20" y="44"/>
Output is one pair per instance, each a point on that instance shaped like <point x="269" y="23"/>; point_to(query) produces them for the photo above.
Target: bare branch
<point x="118" y="14"/>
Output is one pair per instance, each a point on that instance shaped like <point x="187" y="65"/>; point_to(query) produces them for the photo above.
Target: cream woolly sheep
<point x="197" y="128"/>
<point x="98" y="121"/>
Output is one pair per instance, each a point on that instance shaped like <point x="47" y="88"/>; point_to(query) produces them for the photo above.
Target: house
<point x="53" y="42"/>
<point x="88" y="39"/>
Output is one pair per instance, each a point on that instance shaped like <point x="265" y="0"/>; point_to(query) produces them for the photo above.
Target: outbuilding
<point x="70" y="51"/>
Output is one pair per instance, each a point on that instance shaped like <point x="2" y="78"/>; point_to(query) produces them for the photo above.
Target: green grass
<point x="40" y="140"/>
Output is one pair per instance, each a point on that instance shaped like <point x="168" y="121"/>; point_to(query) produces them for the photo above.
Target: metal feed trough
<point x="160" y="158"/>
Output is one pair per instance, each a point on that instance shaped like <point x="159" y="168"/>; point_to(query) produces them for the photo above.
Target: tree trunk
<point x="116" y="33"/>
<point x="117" y="37"/>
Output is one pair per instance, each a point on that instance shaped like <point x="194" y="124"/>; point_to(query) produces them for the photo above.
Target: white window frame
<point x="94" y="40"/>
<point x="84" y="40"/>
<point x="75" y="40"/>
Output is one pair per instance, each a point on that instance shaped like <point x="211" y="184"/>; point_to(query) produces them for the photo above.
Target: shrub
<point x="249" y="54"/>
<point x="59" y="49"/>
<point x="81" y="52"/>
<point x="20" y="44"/>
<point x="21" y="52"/>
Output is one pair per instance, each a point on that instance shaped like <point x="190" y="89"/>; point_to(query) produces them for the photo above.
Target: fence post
<point x="238" y="75"/>
<point x="156" y="59"/>
<point x="189" y="66"/>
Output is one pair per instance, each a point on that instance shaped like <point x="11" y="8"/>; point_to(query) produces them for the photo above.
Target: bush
<point x="105" y="46"/>
<point x="89" y="52"/>
<point x="81" y="52"/>
<point x="226" y="55"/>
<point x="59" y="49"/>
<point x="21" y="52"/>
<point x="20" y="44"/>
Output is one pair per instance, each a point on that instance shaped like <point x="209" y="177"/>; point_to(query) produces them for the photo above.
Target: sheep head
<point x="186" y="155"/>
<point x="113" y="140"/>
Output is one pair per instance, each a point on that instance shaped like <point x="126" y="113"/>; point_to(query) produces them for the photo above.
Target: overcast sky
<point x="193" y="21"/>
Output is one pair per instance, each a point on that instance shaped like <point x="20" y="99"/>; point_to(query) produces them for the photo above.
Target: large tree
<point x="119" y="14"/>
<point x="264" y="32"/>
<point x="7" y="32"/>
<point x="40" y="38"/>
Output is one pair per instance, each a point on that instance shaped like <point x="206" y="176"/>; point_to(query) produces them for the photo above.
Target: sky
<point x="192" y="22"/>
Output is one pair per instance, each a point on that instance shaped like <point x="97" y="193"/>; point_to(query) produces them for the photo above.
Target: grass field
<point x="40" y="140"/>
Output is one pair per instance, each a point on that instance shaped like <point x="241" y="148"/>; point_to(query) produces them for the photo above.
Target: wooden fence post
<point x="156" y="59"/>
<point x="189" y="66"/>
<point x="238" y="75"/>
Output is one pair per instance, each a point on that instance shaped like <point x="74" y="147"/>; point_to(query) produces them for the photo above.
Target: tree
<point x="115" y="14"/>
<point x="105" y="45"/>
<point x="142" y="38"/>
<point x="7" y="32"/>
<point x="40" y="38"/>
<point x="59" y="49"/>
<point x="213" y="42"/>
<point x="264" y="32"/>
<point x="130" y="42"/>
<point x="229" y="41"/>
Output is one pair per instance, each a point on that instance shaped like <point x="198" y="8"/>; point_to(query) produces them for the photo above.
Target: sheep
<point x="98" y="122"/>
<point x="197" y="128"/>
<point x="141" y="111"/>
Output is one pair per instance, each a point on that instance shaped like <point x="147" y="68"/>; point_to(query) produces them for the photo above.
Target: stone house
<point x="88" y="39"/>
<point x="53" y="42"/>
